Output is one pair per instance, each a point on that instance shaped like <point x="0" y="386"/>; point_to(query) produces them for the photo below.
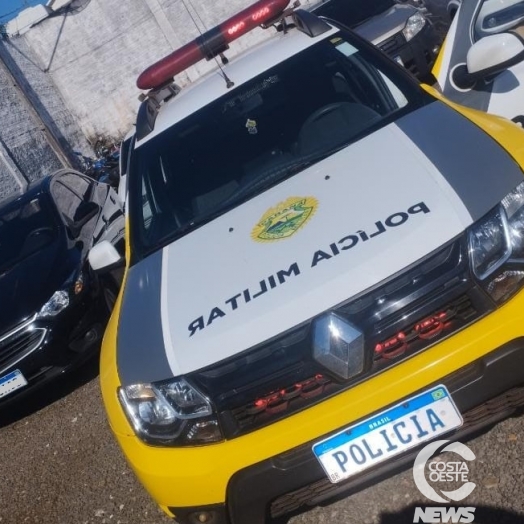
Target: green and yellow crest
<point x="284" y="219"/>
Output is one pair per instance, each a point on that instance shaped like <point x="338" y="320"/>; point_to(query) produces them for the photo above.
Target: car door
<point x="501" y="94"/>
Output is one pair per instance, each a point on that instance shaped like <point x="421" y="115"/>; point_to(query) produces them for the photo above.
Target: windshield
<point x="353" y="12"/>
<point x="24" y="231"/>
<point x="260" y="133"/>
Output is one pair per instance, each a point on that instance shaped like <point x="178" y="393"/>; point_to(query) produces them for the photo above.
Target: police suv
<point x="324" y="272"/>
<point x="481" y="64"/>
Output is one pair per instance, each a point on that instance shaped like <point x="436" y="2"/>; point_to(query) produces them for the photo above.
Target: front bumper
<point x="251" y="472"/>
<point x="485" y="392"/>
<point x="67" y="341"/>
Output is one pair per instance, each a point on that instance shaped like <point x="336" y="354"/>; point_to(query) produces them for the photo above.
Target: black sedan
<point x="53" y="308"/>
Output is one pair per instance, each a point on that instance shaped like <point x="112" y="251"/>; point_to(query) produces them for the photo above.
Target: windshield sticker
<point x="320" y="257"/>
<point x="251" y="126"/>
<point x="285" y="219"/>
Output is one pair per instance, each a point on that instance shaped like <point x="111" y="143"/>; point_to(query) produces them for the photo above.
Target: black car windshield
<point x="24" y="230"/>
<point x="353" y="12"/>
<point x="259" y="133"/>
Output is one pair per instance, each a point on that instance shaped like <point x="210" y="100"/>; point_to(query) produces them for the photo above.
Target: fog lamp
<point x="504" y="285"/>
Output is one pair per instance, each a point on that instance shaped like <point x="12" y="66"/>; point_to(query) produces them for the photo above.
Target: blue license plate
<point x="11" y="382"/>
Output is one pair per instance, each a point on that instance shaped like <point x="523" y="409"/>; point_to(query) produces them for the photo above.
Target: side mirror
<point x="494" y="54"/>
<point x="104" y="257"/>
<point x="489" y="56"/>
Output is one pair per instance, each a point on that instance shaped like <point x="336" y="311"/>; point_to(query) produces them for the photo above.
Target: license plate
<point x="404" y="426"/>
<point x="11" y="382"/>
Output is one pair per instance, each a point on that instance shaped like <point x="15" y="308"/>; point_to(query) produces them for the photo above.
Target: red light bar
<point x="211" y="43"/>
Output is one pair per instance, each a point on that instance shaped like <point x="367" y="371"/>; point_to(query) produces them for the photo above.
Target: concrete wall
<point x="38" y="133"/>
<point x="76" y="72"/>
<point x="95" y="55"/>
<point x="25" y="154"/>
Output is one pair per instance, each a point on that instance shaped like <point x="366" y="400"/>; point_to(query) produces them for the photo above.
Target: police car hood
<point x="309" y="243"/>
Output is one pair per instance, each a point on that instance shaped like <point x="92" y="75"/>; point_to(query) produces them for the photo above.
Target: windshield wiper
<point x="277" y="174"/>
<point x="252" y="188"/>
<point x="245" y="192"/>
<point x="180" y="231"/>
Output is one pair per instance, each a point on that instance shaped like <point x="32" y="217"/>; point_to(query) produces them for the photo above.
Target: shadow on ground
<point x="28" y="403"/>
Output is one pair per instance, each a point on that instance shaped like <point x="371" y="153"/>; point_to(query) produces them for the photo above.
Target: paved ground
<point x="60" y="465"/>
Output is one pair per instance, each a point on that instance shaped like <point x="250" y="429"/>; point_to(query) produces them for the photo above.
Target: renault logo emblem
<point x="338" y="346"/>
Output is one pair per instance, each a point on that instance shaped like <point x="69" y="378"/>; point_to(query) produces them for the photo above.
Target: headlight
<point x="496" y="247"/>
<point x="57" y="303"/>
<point x="413" y="26"/>
<point x="171" y="412"/>
<point x="62" y="298"/>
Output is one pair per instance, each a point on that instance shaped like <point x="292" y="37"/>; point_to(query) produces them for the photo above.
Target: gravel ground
<point x="61" y="466"/>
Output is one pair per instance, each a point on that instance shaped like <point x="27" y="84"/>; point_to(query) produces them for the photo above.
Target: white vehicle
<point x="481" y="64"/>
<point x="123" y="164"/>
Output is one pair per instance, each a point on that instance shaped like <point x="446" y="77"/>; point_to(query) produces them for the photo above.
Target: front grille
<point x="399" y="318"/>
<point x="417" y="335"/>
<point x="18" y="343"/>
<point x="289" y="398"/>
<point x="392" y="44"/>
<point x="323" y="489"/>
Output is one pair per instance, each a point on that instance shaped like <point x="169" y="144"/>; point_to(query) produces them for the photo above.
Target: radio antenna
<point x="197" y="13"/>
<point x="227" y="80"/>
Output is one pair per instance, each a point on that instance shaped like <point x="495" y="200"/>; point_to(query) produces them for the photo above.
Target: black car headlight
<point x="170" y="412"/>
<point x="496" y="247"/>
<point x="61" y="299"/>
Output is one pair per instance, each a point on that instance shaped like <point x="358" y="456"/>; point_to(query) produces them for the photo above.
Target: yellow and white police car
<point x="481" y="64"/>
<point x="324" y="271"/>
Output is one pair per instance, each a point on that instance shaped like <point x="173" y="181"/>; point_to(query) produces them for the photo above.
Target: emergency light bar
<point x="211" y="43"/>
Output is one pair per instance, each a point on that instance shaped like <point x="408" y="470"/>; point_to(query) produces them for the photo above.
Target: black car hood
<point x="26" y="287"/>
